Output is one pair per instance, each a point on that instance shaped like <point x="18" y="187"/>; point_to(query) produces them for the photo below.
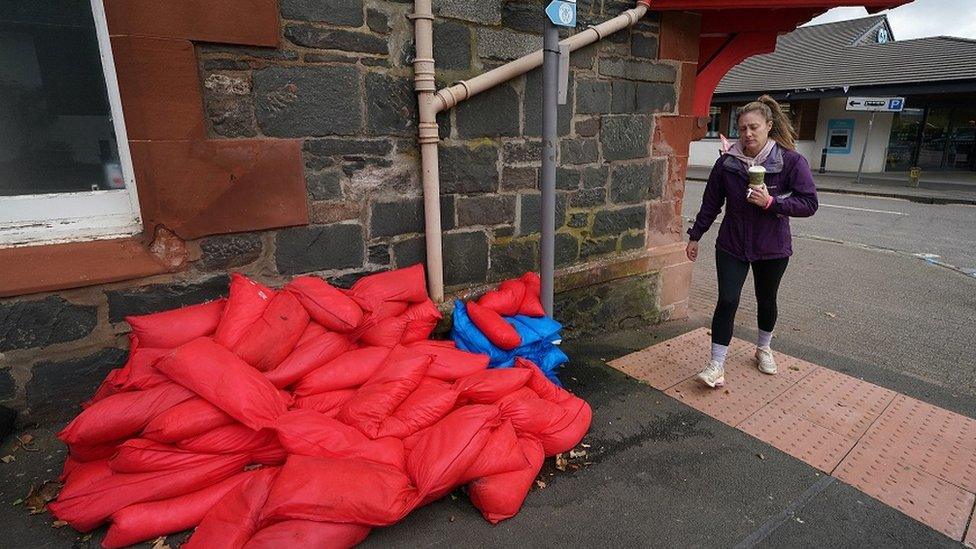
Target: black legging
<point x="731" y="276"/>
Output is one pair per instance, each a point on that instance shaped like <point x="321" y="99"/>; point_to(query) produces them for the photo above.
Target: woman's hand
<point x="759" y="197"/>
<point x="692" y="250"/>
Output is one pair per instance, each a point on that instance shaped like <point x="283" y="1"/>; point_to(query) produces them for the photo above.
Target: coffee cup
<point x="757" y="177"/>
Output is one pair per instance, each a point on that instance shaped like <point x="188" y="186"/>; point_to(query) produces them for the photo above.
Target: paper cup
<point x="757" y="177"/>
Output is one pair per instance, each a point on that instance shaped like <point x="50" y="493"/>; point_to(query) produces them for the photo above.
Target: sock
<point x="765" y="338"/>
<point x="719" y="352"/>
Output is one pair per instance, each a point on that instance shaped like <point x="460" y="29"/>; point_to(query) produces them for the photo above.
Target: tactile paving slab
<point x="915" y="457"/>
<point x="819" y="419"/>
<point x="937" y="441"/>
<point x="667" y="363"/>
<point x="924" y="497"/>
<point x="746" y="388"/>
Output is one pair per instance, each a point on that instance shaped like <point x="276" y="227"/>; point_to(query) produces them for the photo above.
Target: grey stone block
<point x="467" y="170"/>
<point x="452" y="46"/>
<point x="43" y="322"/>
<point x="391" y="106"/>
<point x="578" y="151"/>
<point x="57" y="388"/>
<point x="625" y="137"/>
<point x="335" y="39"/>
<point x="338" y="12"/>
<point x="637" y="70"/>
<point x="319" y="248"/>
<point x="307" y="101"/>
<point x="494" y="113"/>
<point x="486" y="210"/>
<point x="161" y="297"/>
<point x="513" y="259"/>
<point x="615" y="222"/>
<point x="229" y="251"/>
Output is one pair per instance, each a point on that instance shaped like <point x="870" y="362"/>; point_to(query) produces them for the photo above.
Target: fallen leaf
<point x="760" y="456"/>
<point x="58" y="524"/>
<point x="798" y="519"/>
<point x="37" y="499"/>
<point x="830" y="315"/>
<point x="728" y="392"/>
<point x="87" y="537"/>
<point x="26" y="438"/>
<point x="7" y="459"/>
<point x="585" y="445"/>
<point x="160" y="543"/>
<point x="573" y="454"/>
<point x="452" y="518"/>
<point x="795" y="329"/>
<point x="561" y="462"/>
<point x="540" y="484"/>
<point x="17" y="501"/>
<point x="795" y="368"/>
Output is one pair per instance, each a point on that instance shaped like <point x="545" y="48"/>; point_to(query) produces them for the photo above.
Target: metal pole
<point x="864" y="151"/>
<point x="550" y="81"/>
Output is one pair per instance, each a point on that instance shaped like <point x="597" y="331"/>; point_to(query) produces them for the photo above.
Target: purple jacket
<point x="749" y="232"/>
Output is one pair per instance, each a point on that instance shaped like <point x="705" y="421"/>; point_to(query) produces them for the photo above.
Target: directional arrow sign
<point x="562" y="13"/>
<point x="876" y="104"/>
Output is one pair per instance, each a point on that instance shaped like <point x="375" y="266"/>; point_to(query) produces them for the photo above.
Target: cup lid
<point x="757" y="169"/>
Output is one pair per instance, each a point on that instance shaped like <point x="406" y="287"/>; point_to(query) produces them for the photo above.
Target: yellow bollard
<point x="914" y="175"/>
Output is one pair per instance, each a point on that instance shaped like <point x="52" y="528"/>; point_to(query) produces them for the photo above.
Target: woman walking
<point x="756" y="229"/>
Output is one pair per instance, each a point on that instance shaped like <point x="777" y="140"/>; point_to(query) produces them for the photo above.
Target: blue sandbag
<point x="539" y="336"/>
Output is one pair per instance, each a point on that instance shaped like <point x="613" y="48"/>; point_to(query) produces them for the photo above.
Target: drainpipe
<point x="431" y="102"/>
<point x="424" y="85"/>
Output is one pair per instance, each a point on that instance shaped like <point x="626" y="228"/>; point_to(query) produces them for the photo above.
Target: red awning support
<point x="734" y="30"/>
<point x="737" y="49"/>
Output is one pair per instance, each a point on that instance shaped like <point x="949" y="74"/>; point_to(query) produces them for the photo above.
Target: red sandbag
<point x="121" y="415"/>
<point x="140" y="369"/>
<point x="232" y="521"/>
<point x="170" y="329"/>
<point x="230" y="439"/>
<point x="502" y="454"/>
<point x="488" y="386"/>
<point x="532" y="304"/>
<point x="309" y="433"/>
<point x="407" y="285"/>
<point x="139" y="455"/>
<point x="244" y="307"/>
<point x="313" y="330"/>
<point x="187" y="419"/>
<point x="137" y="373"/>
<point x="494" y="327"/>
<point x="385" y="391"/>
<point x="308" y="533"/>
<point x="81" y="475"/>
<point x="326" y="304"/>
<point x="333" y="490"/>
<point x="84" y="454"/>
<point x="529" y="413"/>
<point x="273" y="336"/>
<point x="428" y="403"/>
<point x="500" y="496"/>
<point x="328" y="403"/>
<point x="92" y="506"/>
<point x="449" y="363"/>
<point x="348" y="370"/>
<point x="146" y="521"/>
<point x="226" y="381"/>
<point x="445" y="451"/>
<point x="415" y="324"/>
<point x="506" y="300"/>
<point x="566" y="430"/>
<point x="313" y="354"/>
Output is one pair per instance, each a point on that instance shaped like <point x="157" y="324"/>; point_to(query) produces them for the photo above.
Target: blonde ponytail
<point x="783" y="131"/>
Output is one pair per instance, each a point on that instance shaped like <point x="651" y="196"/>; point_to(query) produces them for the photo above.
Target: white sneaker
<point x="713" y="375"/>
<point x="765" y="361"/>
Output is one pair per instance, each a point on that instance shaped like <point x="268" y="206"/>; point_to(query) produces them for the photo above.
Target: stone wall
<point x="341" y="81"/>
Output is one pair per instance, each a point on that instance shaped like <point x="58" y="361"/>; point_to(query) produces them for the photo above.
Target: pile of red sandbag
<point x="305" y="415"/>
<point x="513" y="297"/>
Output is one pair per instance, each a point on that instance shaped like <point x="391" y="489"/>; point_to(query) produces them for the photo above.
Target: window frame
<point x="37" y="219"/>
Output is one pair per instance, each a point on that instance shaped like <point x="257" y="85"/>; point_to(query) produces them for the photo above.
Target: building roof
<point x="846" y="53"/>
